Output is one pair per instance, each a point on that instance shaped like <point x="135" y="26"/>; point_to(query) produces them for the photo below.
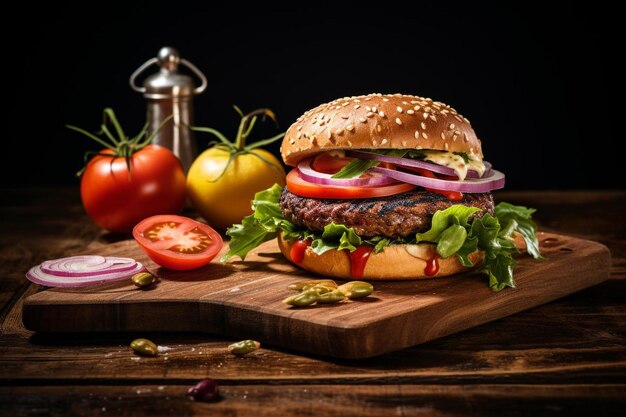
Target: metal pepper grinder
<point x="170" y="93"/>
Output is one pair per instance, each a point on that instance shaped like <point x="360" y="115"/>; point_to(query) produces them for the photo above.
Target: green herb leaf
<point x="355" y="168"/>
<point x="500" y="271"/>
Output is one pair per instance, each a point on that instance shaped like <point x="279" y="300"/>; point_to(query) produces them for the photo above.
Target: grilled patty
<point x="399" y="215"/>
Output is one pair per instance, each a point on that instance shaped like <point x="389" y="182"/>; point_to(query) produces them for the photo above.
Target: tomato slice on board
<point x="177" y="242"/>
<point x="303" y="188"/>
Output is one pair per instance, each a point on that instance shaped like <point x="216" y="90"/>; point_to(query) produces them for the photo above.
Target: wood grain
<point x="317" y="400"/>
<point x="244" y="300"/>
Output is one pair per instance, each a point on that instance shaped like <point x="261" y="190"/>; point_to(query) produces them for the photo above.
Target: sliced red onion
<point x="86" y="266"/>
<point x="309" y="174"/>
<point x="415" y="163"/>
<point x="481" y="185"/>
<point x="72" y="271"/>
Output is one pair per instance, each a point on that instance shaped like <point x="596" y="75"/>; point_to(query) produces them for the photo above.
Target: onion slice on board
<point x="494" y="181"/>
<point x="78" y="271"/>
<point x="415" y="163"/>
<point x="309" y="174"/>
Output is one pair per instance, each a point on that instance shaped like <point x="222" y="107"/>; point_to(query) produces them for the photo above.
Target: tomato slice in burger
<point x="177" y="242"/>
<point x="303" y="188"/>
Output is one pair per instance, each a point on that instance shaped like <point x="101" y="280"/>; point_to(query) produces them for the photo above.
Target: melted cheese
<point x="456" y="162"/>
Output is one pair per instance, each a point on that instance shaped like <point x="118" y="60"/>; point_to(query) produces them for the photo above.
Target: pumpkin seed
<point x="243" y="347"/>
<point x="144" y="347"/>
<point x="305" y="285"/>
<point x="303" y="299"/>
<point x="143" y="279"/>
<point x="356" y="289"/>
<point x="331" y="297"/>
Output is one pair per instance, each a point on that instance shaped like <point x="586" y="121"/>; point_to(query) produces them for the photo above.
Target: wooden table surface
<point x="567" y="357"/>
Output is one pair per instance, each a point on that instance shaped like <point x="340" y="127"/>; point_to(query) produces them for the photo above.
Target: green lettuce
<point x="451" y="231"/>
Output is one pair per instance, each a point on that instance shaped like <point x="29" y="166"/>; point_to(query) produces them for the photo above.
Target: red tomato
<point x="329" y="164"/>
<point x="117" y="199"/>
<point x="303" y="188"/>
<point x="177" y="242"/>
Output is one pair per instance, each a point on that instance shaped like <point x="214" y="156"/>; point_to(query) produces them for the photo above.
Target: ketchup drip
<point x="432" y="266"/>
<point x="358" y="259"/>
<point x="297" y="250"/>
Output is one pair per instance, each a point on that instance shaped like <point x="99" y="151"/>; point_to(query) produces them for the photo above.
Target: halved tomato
<point x="328" y="163"/>
<point x="177" y="242"/>
<point x="303" y="188"/>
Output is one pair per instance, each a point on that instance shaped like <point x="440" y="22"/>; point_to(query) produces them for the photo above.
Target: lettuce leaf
<point x="450" y="230"/>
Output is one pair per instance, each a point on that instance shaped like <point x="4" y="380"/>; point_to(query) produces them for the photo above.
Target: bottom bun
<point x="395" y="262"/>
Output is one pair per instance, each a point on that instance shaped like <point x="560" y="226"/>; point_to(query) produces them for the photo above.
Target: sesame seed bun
<point x="379" y="121"/>
<point x="409" y="262"/>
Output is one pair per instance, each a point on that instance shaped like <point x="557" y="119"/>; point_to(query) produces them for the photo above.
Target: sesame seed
<point x="454" y="136"/>
<point x="458" y="118"/>
<point x="345" y="103"/>
<point x="375" y="109"/>
<point x="292" y="141"/>
<point x="445" y="146"/>
<point x="425" y="114"/>
<point x="368" y="98"/>
<point x="417" y="134"/>
<point x="322" y="122"/>
<point x="410" y="111"/>
<point x="452" y="126"/>
<point x="465" y="138"/>
<point x="424" y="135"/>
<point x="345" y="116"/>
<point x="374" y="142"/>
<point x="466" y="121"/>
<point x="423" y="124"/>
<point x="399" y="109"/>
<point x="398" y="121"/>
<point x="362" y="119"/>
<point x="443" y="135"/>
<point x="349" y="143"/>
<point x="338" y="131"/>
<point x="404" y="143"/>
<point x="299" y="128"/>
<point x="379" y="128"/>
<point x="368" y="108"/>
<point x="298" y="135"/>
<point x="433" y="118"/>
<point x="414" y="101"/>
<point x="350" y="128"/>
<point x="369" y="114"/>
<point x="381" y="113"/>
<point x="416" y="108"/>
<point x="385" y="99"/>
<point x="405" y="103"/>
<point x="357" y="106"/>
<point x="383" y="142"/>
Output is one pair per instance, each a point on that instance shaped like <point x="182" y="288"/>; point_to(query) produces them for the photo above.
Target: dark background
<point x="536" y="83"/>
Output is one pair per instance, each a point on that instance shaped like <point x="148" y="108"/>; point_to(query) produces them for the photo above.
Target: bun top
<point x="379" y="121"/>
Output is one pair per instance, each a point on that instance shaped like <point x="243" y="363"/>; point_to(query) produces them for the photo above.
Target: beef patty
<point x="398" y="215"/>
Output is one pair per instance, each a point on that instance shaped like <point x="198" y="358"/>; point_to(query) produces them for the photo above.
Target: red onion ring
<point x="415" y="163"/>
<point x="86" y="266"/>
<point x="309" y="174"/>
<point x="482" y="185"/>
<point x="72" y="271"/>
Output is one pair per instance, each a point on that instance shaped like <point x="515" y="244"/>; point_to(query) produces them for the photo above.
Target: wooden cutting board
<point x="243" y="300"/>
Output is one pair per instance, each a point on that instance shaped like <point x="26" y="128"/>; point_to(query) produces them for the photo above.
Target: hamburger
<point x="387" y="187"/>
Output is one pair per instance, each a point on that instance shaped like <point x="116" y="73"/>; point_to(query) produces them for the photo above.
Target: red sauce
<point x="432" y="266"/>
<point x="358" y="259"/>
<point x="297" y="250"/>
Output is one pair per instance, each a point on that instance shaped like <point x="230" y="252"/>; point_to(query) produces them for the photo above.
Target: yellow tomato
<point x="227" y="200"/>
